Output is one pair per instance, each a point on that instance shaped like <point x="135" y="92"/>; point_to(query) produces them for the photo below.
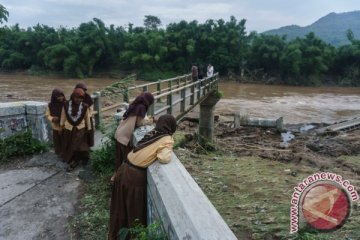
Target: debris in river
<point x="306" y="127"/>
<point x="243" y="120"/>
<point x="286" y="137"/>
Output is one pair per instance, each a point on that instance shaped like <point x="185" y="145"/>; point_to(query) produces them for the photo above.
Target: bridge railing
<point x="184" y="88"/>
<point x="180" y="93"/>
<point x="159" y="85"/>
<point x="194" y="92"/>
<point x="155" y="88"/>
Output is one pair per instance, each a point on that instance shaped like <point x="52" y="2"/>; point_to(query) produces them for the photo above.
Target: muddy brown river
<point x="295" y="104"/>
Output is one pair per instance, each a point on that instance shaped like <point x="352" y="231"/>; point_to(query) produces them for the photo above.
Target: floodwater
<point x="21" y="87"/>
<point x="294" y="104"/>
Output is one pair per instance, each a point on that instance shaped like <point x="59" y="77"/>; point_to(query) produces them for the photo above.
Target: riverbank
<point x="251" y="175"/>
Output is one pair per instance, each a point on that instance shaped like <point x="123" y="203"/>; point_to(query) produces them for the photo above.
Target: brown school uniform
<point x="89" y="102"/>
<point x="75" y="145"/>
<point x="128" y="200"/>
<point x="57" y="136"/>
<point x="54" y="110"/>
<point x="90" y="134"/>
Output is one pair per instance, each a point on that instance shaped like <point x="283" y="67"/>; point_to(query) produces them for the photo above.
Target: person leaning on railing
<point x="128" y="199"/>
<point x="134" y="116"/>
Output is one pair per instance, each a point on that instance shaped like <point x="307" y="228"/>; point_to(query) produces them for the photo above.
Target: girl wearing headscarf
<point x="89" y="103"/>
<point x="53" y="113"/>
<point x="87" y="98"/>
<point x="128" y="200"/>
<point x="75" y="119"/>
<point x="135" y="116"/>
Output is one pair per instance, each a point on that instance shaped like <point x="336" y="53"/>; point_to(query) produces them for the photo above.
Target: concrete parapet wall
<point x="17" y="116"/>
<point x="178" y="202"/>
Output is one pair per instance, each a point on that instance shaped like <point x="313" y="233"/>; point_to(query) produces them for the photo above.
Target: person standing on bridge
<point x="201" y="71"/>
<point x="135" y="116"/>
<point x="210" y="70"/>
<point x="75" y="119"/>
<point x="89" y="103"/>
<point x="53" y="113"/>
<point x="128" y="199"/>
<point x="194" y="72"/>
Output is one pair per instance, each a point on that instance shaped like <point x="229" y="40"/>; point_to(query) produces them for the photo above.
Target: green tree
<point x="317" y="56"/>
<point x="266" y="53"/>
<point x="347" y="62"/>
<point x="152" y="22"/>
<point x="4" y="14"/>
<point x="55" y="56"/>
<point x="290" y="63"/>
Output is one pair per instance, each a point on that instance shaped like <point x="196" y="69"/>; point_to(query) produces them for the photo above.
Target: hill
<point x="331" y="28"/>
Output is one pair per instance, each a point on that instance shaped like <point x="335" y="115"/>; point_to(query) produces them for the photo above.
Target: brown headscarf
<point x="140" y="105"/>
<point x="87" y="98"/>
<point x="82" y="86"/>
<point x="165" y="126"/>
<point x="78" y="92"/>
<point x="55" y="106"/>
<point x="75" y="108"/>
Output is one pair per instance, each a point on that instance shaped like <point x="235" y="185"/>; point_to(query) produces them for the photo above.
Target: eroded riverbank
<point x="250" y="176"/>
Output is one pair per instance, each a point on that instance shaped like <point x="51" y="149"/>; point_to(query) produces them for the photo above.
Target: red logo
<point x="325" y="206"/>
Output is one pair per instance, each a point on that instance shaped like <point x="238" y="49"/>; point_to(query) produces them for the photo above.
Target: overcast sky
<point x="261" y="15"/>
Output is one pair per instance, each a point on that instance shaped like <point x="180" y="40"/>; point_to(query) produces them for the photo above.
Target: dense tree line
<point x="157" y="52"/>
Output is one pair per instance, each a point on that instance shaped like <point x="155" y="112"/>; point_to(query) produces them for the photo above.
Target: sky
<point x="260" y="15"/>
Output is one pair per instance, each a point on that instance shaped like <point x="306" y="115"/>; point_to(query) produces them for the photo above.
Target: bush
<point x="139" y="232"/>
<point x="20" y="144"/>
<point x="103" y="159"/>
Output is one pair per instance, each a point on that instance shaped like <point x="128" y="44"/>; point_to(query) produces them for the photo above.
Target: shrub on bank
<point x="103" y="159"/>
<point x="20" y="144"/>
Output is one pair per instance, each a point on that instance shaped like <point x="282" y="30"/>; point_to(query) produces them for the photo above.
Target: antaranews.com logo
<point x="323" y="201"/>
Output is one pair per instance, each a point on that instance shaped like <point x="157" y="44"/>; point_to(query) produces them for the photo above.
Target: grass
<point x="20" y="144"/>
<point x="253" y="195"/>
<point x="91" y="222"/>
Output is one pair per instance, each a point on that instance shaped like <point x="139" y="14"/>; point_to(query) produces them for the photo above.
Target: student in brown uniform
<point x="53" y="113"/>
<point x="128" y="200"/>
<point x="89" y="103"/>
<point x="75" y="119"/>
<point x="134" y="116"/>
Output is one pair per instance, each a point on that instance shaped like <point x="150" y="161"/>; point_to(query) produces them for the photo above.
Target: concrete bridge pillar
<point x="206" y="121"/>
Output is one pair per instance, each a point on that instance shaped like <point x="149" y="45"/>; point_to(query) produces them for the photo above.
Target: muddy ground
<point x="318" y="150"/>
<point x="250" y="175"/>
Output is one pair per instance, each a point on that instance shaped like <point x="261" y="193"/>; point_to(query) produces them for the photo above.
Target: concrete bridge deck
<point x="343" y="126"/>
<point x="37" y="197"/>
